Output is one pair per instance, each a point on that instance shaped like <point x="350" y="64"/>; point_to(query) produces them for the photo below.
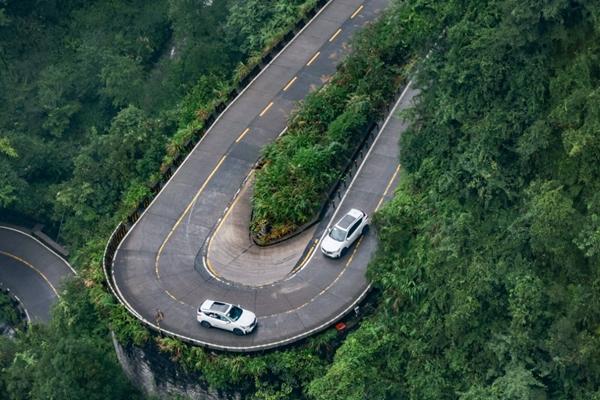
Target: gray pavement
<point x="32" y="271"/>
<point x="160" y="263"/>
<point x="233" y="256"/>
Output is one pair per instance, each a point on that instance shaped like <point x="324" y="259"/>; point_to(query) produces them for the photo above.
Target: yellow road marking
<point x="312" y="60"/>
<point x="210" y="267"/>
<point x="387" y="187"/>
<point x="33" y="268"/>
<point x="242" y="135"/>
<point x="263" y="112"/>
<point x="331" y="39"/>
<point x="182" y="216"/>
<point x="307" y="256"/>
<point x="359" y="9"/>
<point x="208" y="263"/>
<point x="173" y="297"/>
<point x="354" y="251"/>
<point x="290" y="83"/>
<point x="337" y="278"/>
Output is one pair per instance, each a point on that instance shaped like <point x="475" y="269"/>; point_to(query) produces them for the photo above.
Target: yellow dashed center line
<point x="182" y="216"/>
<point x="242" y="135"/>
<point x="263" y="112"/>
<point x="331" y="39"/>
<point x="387" y="187"/>
<point x="354" y="251"/>
<point x="173" y="297"/>
<point x="290" y="83"/>
<point x="19" y="259"/>
<point x="208" y="263"/>
<point x="337" y="278"/>
<point x="359" y="9"/>
<point x="312" y="60"/>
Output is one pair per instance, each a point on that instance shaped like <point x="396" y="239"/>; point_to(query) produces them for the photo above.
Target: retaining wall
<point x="156" y="375"/>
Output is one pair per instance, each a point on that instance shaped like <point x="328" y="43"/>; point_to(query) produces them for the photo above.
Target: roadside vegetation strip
<point x="300" y="168"/>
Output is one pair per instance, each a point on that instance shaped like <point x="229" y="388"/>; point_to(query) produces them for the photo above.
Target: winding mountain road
<point x="161" y="264"/>
<point x="32" y="271"/>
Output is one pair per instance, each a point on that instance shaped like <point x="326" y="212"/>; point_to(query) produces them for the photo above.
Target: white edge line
<point x="40" y="242"/>
<point x="218" y="118"/>
<point x="116" y="286"/>
<point x="24" y="308"/>
<point x="304" y="334"/>
<point x="383" y="127"/>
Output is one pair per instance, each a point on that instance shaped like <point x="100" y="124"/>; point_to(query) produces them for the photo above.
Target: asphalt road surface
<point x="159" y="265"/>
<point x="32" y="271"/>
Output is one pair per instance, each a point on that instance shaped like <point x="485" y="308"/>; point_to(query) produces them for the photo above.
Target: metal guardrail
<point x="123" y="227"/>
<point x="334" y="195"/>
<point x="16" y="302"/>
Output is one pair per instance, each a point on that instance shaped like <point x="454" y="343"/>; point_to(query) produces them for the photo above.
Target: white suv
<point x="344" y="233"/>
<point x="226" y="316"/>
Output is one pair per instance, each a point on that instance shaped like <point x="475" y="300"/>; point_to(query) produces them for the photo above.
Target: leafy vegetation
<point x="96" y="96"/>
<point x="300" y="168"/>
<point x="488" y="258"/>
<point x="489" y="253"/>
<point x="9" y="314"/>
<point x="71" y="358"/>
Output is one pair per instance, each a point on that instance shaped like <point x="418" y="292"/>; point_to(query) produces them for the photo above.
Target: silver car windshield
<point x="337" y="234"/>
<point x="235" y="313"/>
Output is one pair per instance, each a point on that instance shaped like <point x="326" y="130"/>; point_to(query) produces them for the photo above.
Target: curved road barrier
<point x="32" y="271"/>
<point x="155" y="262"/>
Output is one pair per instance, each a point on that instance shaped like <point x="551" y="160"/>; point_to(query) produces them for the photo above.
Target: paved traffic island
<point x="232" y="255"/>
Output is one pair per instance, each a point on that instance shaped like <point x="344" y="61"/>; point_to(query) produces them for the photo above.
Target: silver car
<point x="344" y="233"/>
<point x="226" y="316"/>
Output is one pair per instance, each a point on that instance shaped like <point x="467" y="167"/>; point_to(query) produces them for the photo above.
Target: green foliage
<point x="274" y="375"/>
<point x="301" y="167"/>
<point x="8" y="179"/>
<point x="96" y="95"/>
<point x="69" y="359"/>
<point x="8" y="311"/>
<point x="254" y="25"/>
<point x="6" y="148"/>
<point x="488" y="256"/>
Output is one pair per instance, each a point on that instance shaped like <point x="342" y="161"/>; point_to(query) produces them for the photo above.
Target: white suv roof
<point x="211" y="305"/>
<point x="349" y="218"/>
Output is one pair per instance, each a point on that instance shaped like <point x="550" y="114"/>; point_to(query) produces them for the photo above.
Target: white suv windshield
<point x="234" y="313"/>
<point x="337" y="234"/>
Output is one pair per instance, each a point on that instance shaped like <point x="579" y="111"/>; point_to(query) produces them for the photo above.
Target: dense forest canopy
<point x="489" y="258"/>
<point x="95" y="95"/>
<point x="489" y="254"/>
<point x="91" y="92"/>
